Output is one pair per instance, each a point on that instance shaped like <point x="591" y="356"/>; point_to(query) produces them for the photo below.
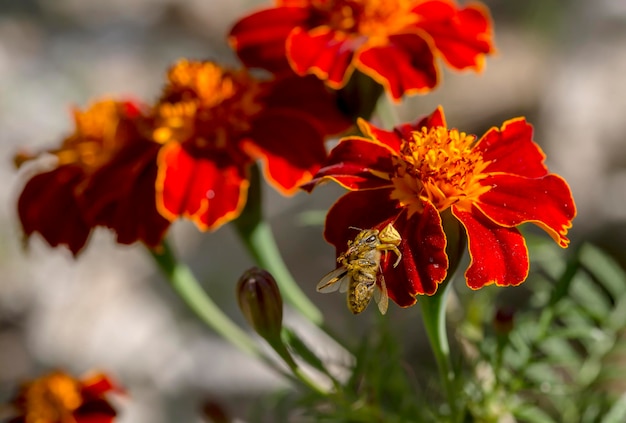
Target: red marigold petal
<point x="434" y="120"/>
<point x="95" y="411"/>
<point x="286" y="168"/>
<point x="97" y="385"/>
<point x="546" y="202"/>
<point x="511" y="149"/>
<point x="208" y="193"/>
<point x="424" y="262"/>
<point x="259" y="38"/>
<point x="48" y="205"/>
<point x="357" y="210"/>
<point x="405" y="66"/>
<point x="463" y="37"/>
<point x="122" y="197"/>
<point x="320" y="105"/>
<point x="498" y="254"/>
<point x="355" y="163"/>
<point x="322" y="52"/>
<point x="390" y="139"/>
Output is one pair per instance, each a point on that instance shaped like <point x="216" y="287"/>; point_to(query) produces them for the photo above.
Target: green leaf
<point x="604" y="268"/>
<point x="617" y="413"/>
<point x="590" y="297"/>
<point x="564" y="281"/>
<point x="530" y="413"/>
<point x="617" y="319"/>
<point x="302" y="350"/>
<point x="560" y="350"/>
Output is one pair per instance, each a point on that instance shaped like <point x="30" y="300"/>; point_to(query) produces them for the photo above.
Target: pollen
<point x="52" y="399"/>
<point x="203" y="105"/>
<point x="440" y="166"/>
<point x="373" y="20"/>
<point x="94" y="140"/>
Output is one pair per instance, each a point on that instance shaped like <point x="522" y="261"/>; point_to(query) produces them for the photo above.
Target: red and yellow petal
<point x="48" y="205"/>
<point x="463" y="37"/>
<point x="290" y="146"/>
<point x="405" y="66"/>
<point x="424" y="262"/>
<point x="122" y="197"/>
<point x="356" y="163"/>
<point x="96" y="408"/>
<point x="498" y="254"/>
<point x="259" y="38"/>
<point x="323" y="52"/>
<point x="391" y="139"/>
<point x="97" y="385"/>
<point x="435" y="120"/>
<point x="546" y="202"/>
<point x="511" y="149"/>
<point x="208" y="192"/>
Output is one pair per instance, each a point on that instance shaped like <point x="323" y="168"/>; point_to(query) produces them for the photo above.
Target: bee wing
<point x="344" y="283"/>
<point x="329" y="283"/>
<point x="381" y="296"/>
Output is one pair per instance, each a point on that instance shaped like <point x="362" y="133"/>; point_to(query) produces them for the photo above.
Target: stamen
<point x="446" y="168"/>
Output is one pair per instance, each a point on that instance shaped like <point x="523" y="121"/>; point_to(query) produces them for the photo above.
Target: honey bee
<point x="360" y="269"/>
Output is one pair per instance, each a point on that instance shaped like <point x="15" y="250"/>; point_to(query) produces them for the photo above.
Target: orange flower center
<point x="440" y="166"/>
<point x="94" y="140"/>
<point x="372" y="19"/>
<point x="204" y="105"/>
<point x="53" y="398"/>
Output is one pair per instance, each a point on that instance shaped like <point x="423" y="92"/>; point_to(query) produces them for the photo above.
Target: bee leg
<point x="391" y="247"/>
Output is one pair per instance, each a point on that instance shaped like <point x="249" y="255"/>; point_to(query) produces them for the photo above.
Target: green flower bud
<point x="503" y="321"/>
<point x="260" y="302"/>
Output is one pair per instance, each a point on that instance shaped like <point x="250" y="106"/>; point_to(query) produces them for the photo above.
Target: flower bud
<point x="503" y="321"/>
<point x="260" y="302"/>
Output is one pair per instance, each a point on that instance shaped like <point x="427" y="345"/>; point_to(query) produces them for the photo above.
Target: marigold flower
<point x="104" y="174"/>
<point x="395" y="42"/>
<point x="215" y="122"/>
<point x="60" y="398"/>
<point x="421" y="173"/>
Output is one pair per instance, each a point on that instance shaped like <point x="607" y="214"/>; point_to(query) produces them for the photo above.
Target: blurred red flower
<point x="395" y="42"/>
<point x="102" y="174"/>
<point x="60" y="398"/>
<point x="134" y="172"/>
<point x="213" y="123"/>
<point x="421" y="173"/>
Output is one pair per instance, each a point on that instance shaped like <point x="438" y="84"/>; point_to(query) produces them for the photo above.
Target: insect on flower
<point x="360" y="269"/>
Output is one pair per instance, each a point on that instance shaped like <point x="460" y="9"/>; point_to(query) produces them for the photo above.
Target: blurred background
<point x="560" y="63"/>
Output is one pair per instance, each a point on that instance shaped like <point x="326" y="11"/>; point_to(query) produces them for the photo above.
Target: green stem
<point x="434" y="317"/>
<point x="189" y="290"/>
<point x="283" y="352"/>
<point x="434" y="310"/>
<point x="257" y="236"/>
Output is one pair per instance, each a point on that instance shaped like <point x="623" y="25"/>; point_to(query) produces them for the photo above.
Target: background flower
<point x="60" y="398"/>
<point x="214" y="123"/>
<point x="102" y="174"/>
<point x="396" y="43"/>
<point x="417" y="174"/>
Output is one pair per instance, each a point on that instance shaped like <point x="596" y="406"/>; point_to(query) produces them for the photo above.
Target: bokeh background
<point x="561" y="63"/>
